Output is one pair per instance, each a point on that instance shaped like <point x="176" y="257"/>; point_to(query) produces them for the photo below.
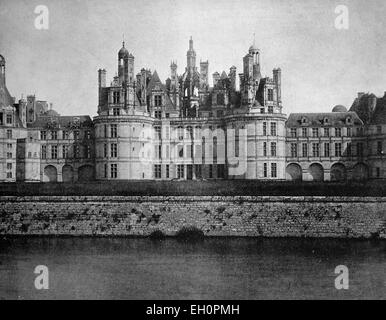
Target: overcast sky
<point x="321" y="66"/>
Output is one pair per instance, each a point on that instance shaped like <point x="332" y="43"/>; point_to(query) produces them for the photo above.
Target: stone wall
<point x="339" y="217"/>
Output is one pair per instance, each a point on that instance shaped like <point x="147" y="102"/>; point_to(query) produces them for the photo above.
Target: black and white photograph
<point x="192" y="155"/>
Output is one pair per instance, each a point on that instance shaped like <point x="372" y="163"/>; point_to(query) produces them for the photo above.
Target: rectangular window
<point x="273" y="149"/>
<point x="113" y="131"/>
<point x="9" y="145"/>
<point x="338" y="132"/>
<point x="180" y="171"/>
<point x="379" y="147"/>
<point x="167" y="171"/>
<point x="265" y="170"/>
<point x="315" y="150"/>
<point x="9" y="155"/>
<point x="44" y="152"/>
<point x="264" y="149"/>
<point x="378" y="172"/>
<point x="221" y="171"/>
<point x="54" y="135"/>
<point x="87" y="134"/>
<point x="9" y="134"/>
<point x="76" y="135"/>
<point x="327" y="150"/>
<point x="43" y="135"/>
<point x="105" y="130"/>
<point x="338" y="149"/>
<point x="273" y="170"/>
<point x="211" y="171"/>
<point x="189" y="133"/>
<point x="157" y="171"/>
<point x="262" y="110"/>
<point x="158" y="100"/>
<point x="64" y="152"/>
<point x="105" y="150"/>
<point x="116" y="111"/>
<point x="54" y="152"/>
<point x="106" y="170"/>
<point x="349" y="132"/>
<point x="304" y="150"/>
<point x="158" y="114"/>
<point x="116" y="97"/>
<point x="270" y="109"/>
<point x="315" y="132"/>
<point x="9" y="175"/>
<point x="326" y="132"/>
<point x="264" y="128"/>
<point x="157" y="133"/>
<point x="270" y="94"/>
<point x="293" y="132"/>
<point x="9" y="166"/>
<point x="114" y="171"/>
<point x="273" y="129"/>
<point x="65" y="134"/>
<point x="9" y="119"/>
<point x="76" y="151"/>
<point x="157" y="151"/>
<point x="113" y="150"/>
<point x="294" y="150"/>
<point x="304" y="132"/>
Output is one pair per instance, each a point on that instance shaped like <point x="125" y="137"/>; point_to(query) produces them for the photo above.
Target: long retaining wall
<point x="338" y="217"/>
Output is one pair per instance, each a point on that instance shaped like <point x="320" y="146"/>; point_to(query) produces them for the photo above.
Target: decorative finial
<point x="123" y="40"/>
<point x="254" y="39"/>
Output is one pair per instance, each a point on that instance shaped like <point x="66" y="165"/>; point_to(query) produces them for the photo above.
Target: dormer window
<point x="326" y="121"/>
<point x="348" y="120"/>
<point x="304" y="120"/>
<point x="157" y="100"/>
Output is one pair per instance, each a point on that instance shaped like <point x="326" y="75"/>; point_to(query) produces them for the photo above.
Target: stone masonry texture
<point x="336" y="217"/>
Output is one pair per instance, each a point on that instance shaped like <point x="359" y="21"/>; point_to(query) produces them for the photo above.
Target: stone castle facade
<point x="186" y="129"/>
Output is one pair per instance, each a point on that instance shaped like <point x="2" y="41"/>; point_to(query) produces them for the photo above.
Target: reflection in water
<point x="121" y="268"/>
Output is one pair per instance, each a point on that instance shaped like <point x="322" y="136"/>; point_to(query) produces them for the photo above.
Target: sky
<point x="322" y="66"/>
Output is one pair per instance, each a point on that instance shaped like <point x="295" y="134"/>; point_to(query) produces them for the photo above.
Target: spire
<point x="191" y="43"/>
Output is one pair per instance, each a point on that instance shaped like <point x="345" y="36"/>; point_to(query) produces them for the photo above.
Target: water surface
<point x="214" y="268"/>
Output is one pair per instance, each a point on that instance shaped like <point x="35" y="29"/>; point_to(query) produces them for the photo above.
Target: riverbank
<point x="216" y="216"/>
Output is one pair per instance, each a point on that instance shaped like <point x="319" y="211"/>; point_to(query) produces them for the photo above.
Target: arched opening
<point x="317" y="172"/>
<point x="67" y="173"/>
<point x="360" y="172"/>
<point x="86" y="173"/>
<point x="50" y="174"/>
<point x="294" y="172"/>
<point x="338" y="172"/>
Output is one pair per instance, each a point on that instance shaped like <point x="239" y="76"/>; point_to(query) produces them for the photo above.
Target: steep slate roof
<point x="155" y="80"/>
<point x="379" y="115"/>
<point x="63" y="121"/>
<point x="370" y="109"/>
<point x="364" y="107"/>
<point x="317" y="119"/>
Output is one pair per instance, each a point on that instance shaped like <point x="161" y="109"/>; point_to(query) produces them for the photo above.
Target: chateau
<point x="184" y="128"/>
